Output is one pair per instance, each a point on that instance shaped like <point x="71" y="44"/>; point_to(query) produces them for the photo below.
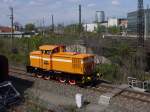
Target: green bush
<point x="108" y="71"/>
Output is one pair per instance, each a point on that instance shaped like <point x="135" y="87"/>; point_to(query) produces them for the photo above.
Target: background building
<point x="100" y="16"/>
<point x="132" y="21"/>
<point x="123" y="23"/>
<point x="113" y="22"/>
<point x="91" y="27"/>
<point x="5" y="29"/>
<point x="104" y="23"/>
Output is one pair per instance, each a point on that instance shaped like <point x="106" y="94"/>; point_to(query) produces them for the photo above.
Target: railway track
<point x="102" y="88"/>
<point x="143" y="97"/>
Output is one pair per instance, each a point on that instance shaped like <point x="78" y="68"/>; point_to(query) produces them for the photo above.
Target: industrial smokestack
<point x="52" y="23"/>
<point x="80" y="18"/>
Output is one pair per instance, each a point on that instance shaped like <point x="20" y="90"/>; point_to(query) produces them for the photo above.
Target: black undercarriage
<point x="80" y="79"/>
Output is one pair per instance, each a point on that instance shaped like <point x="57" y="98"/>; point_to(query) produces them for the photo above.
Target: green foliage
<point x="35" y="42"/>
<point x="120" y="55"/>
<point x="100" y="29"/>
<point x="26" y="45"/>
<point x="114" y="30"/>
<point x="29" y="27"/>
<point x="108" y="71"/>
<point x="73" y="28"/>
<point x="119" y="52"/>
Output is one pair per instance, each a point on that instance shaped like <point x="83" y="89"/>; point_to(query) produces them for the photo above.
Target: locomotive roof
<point x="48" y="47"/>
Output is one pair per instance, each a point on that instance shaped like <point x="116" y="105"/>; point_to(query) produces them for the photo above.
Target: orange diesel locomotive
<point x="52" y="61"/>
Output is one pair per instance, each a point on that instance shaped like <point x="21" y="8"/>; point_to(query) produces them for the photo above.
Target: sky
<point x="64" y="11"/>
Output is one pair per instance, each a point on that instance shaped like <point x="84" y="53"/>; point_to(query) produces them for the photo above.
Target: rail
<point x="102" y="88"/>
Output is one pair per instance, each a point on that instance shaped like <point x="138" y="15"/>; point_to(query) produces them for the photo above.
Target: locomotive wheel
<point x="39" y="76"/>
<point x="47" y="77"/>
<point x="62" y="80"/>
<point x="72" y="82"/>
<point x="33" y="75"/>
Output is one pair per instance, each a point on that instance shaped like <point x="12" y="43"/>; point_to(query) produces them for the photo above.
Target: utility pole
<point x="43" y="26"/>
<point x="80" y="19"/>
<point x="12" y="24"/>
<point x="52" y="16"/>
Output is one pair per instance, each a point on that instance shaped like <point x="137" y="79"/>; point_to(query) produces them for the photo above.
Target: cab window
<point x="47" y="52"/>
<point x="56" y="50"/>
<point x="63" y="49"/>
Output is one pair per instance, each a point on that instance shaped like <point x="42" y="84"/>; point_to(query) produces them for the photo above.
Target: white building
<point x="105" y="24"/>
<point x="113" y="22"/>
<point x="91" y="27"/>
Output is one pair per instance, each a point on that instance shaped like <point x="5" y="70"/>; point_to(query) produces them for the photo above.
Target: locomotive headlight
<point x="98" y="74"/>
<point x="88" y="78"/>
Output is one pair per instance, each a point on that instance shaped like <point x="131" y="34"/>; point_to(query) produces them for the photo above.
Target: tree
<point x="73" y="28"/>
<point x="18" y="26"/>
<point x="29" y="27"/>
<point x="114" y="30"/>
<point x="100" y="29"/>
<point x="122" y="56"/>
<point x="108" y="71"/>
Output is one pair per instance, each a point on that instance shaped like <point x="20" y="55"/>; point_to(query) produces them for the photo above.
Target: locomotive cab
<point x="47" y="49"/>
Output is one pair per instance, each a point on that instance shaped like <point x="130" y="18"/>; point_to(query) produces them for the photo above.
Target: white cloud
<point x="115" y="2"/>
<point x="75" y="1"/>
<point x="91" y="5"/>
<point x="34" y="3"/>
<point x="37" y="2"/>
<point x="8" y="1"/>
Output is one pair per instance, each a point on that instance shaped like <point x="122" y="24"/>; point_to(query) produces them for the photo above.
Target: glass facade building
<point x="132" y="21"/>
<point x="100" y="16"/>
